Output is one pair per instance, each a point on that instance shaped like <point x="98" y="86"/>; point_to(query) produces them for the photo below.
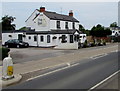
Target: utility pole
<point x="119" y="13"/>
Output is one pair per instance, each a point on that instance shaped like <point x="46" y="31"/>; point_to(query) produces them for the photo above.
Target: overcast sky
<point x="88" y="13"/>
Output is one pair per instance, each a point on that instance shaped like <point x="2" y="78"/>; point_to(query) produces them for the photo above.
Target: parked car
<point x="15" y="43"/>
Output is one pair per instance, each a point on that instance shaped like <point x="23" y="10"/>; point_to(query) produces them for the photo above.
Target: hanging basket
<point x="54" y="37"/>
<point x="24" y="35"/>
<point x="10" y="35"/>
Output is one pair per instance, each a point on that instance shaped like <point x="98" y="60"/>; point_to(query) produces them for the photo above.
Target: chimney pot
<point x="42" y="9"/>
<point x="70" y="13"/>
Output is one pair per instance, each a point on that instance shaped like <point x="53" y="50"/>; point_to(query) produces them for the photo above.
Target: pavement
<point x="16" y="79"/>
<point x="24" y="68"/>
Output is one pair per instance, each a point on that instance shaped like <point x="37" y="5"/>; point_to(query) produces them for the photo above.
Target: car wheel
<point x="6" y="46"/>
<point x="18" y="46"/>
<point x="27" y="45"/>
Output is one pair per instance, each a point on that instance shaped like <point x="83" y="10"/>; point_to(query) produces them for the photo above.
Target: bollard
<point x="7" y="68"/>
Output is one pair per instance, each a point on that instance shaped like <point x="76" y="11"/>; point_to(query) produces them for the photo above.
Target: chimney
<point x="70" y="13"/>
<point x="42" y="9"/>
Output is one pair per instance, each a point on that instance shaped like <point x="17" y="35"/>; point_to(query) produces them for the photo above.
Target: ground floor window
<point x="20" y="36"/>
<point x="41" y="38"/>
<point x="71" y="38"/>
<point x="48" y="38"/>
<point x="76" y="38"/>
<point x="35" y="38"/>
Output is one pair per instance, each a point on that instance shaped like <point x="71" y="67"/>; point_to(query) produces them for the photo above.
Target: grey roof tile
<point x="56" y="16"/>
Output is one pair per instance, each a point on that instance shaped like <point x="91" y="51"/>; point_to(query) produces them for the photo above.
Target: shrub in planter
<point x="24" y="35"/>
<point x="93" y="44"/>
<point x="54" y="37"/>
<point x="85" y="44"/>
<point x="104" y="42"/>
<point x="4" y="52"/>
<point x="99" y="44"/>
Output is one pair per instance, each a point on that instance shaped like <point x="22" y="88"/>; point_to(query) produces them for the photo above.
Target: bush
<point x="93" y="44"/>
<point x="4" y="51"/>
<point x="85" y="44"/>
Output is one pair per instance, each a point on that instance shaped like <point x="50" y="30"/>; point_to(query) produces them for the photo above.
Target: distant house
<point x="115" y="34"/>
<point x="49" y="29"/>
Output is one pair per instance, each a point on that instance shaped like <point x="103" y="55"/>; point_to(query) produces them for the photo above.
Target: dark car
<point x="16" y="43"/>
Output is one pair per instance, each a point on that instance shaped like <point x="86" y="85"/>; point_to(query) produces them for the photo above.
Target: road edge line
<point x="98" y="84"/>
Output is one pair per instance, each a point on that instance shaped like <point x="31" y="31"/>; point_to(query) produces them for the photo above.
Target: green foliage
<point x="114" y="24"/>
<point x="7" y="23"/>
<point x="85" y="44"/>
<point x="4" y="52"/>
<point x="100" y="31"/>
<point x="24" y="28"/>
<point x="82" y="29"/>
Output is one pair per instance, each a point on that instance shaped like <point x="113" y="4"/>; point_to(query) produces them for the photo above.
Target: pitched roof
<point x="56" y="16"/>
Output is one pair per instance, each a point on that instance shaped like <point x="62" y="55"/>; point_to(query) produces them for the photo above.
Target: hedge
<point x="4" y="52"/>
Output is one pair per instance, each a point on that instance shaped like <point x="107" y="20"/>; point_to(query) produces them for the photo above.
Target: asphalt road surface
<point x="80" y="76"/>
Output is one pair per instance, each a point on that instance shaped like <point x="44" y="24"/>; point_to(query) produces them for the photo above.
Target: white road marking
<point x="52" y="72"/>
<point x="46" y="68"/>
<point x="115" y="51"/>
<point x="104" y="80"/>
<point x="98" y="56"/>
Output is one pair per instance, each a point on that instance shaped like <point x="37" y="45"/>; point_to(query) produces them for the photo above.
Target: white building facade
<point x="49" y="29"/>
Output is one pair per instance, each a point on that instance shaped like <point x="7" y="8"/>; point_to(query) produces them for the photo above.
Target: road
<point x="77" y="76"/>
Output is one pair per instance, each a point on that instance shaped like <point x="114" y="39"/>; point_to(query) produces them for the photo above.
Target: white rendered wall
<point x="115" y="31"/>
<point x="33" y="23"/>
<point x="62" y="25"/>
<point x="67" y="46"/>
<point x="83" y="39"/>
<point x="5" y="36"/>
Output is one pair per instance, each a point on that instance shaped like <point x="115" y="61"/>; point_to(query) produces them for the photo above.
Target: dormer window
<point x="58" y="24"/>
<point x="66" y="25"/>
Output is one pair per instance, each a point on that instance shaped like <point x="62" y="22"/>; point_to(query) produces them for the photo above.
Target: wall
<point x="5" y="36"/>
<point x="83" y="38"/>
<point x="45" y="26"/>
<point x="115" y="31"/>
<point x="67" y="46"/>
<point x="62" y="25"/>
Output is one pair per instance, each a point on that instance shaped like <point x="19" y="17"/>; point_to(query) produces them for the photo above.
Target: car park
<point x="15" y="43"/>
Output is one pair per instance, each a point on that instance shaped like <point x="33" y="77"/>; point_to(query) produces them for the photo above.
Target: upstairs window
<point x="66" y="25"/>
<point x="73" y="25"/>
<point x="58" y="24"/>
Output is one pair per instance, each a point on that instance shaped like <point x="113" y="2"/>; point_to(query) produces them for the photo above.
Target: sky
<point x="88" y="13"/>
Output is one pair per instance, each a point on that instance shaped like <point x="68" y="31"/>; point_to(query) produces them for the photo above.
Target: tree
<point x="24" y="28"/>
<point x="114" y="24"/>
<point x="82" y="29"/>
<point x="100" y="31"/>
<point x="7" y="23"/>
